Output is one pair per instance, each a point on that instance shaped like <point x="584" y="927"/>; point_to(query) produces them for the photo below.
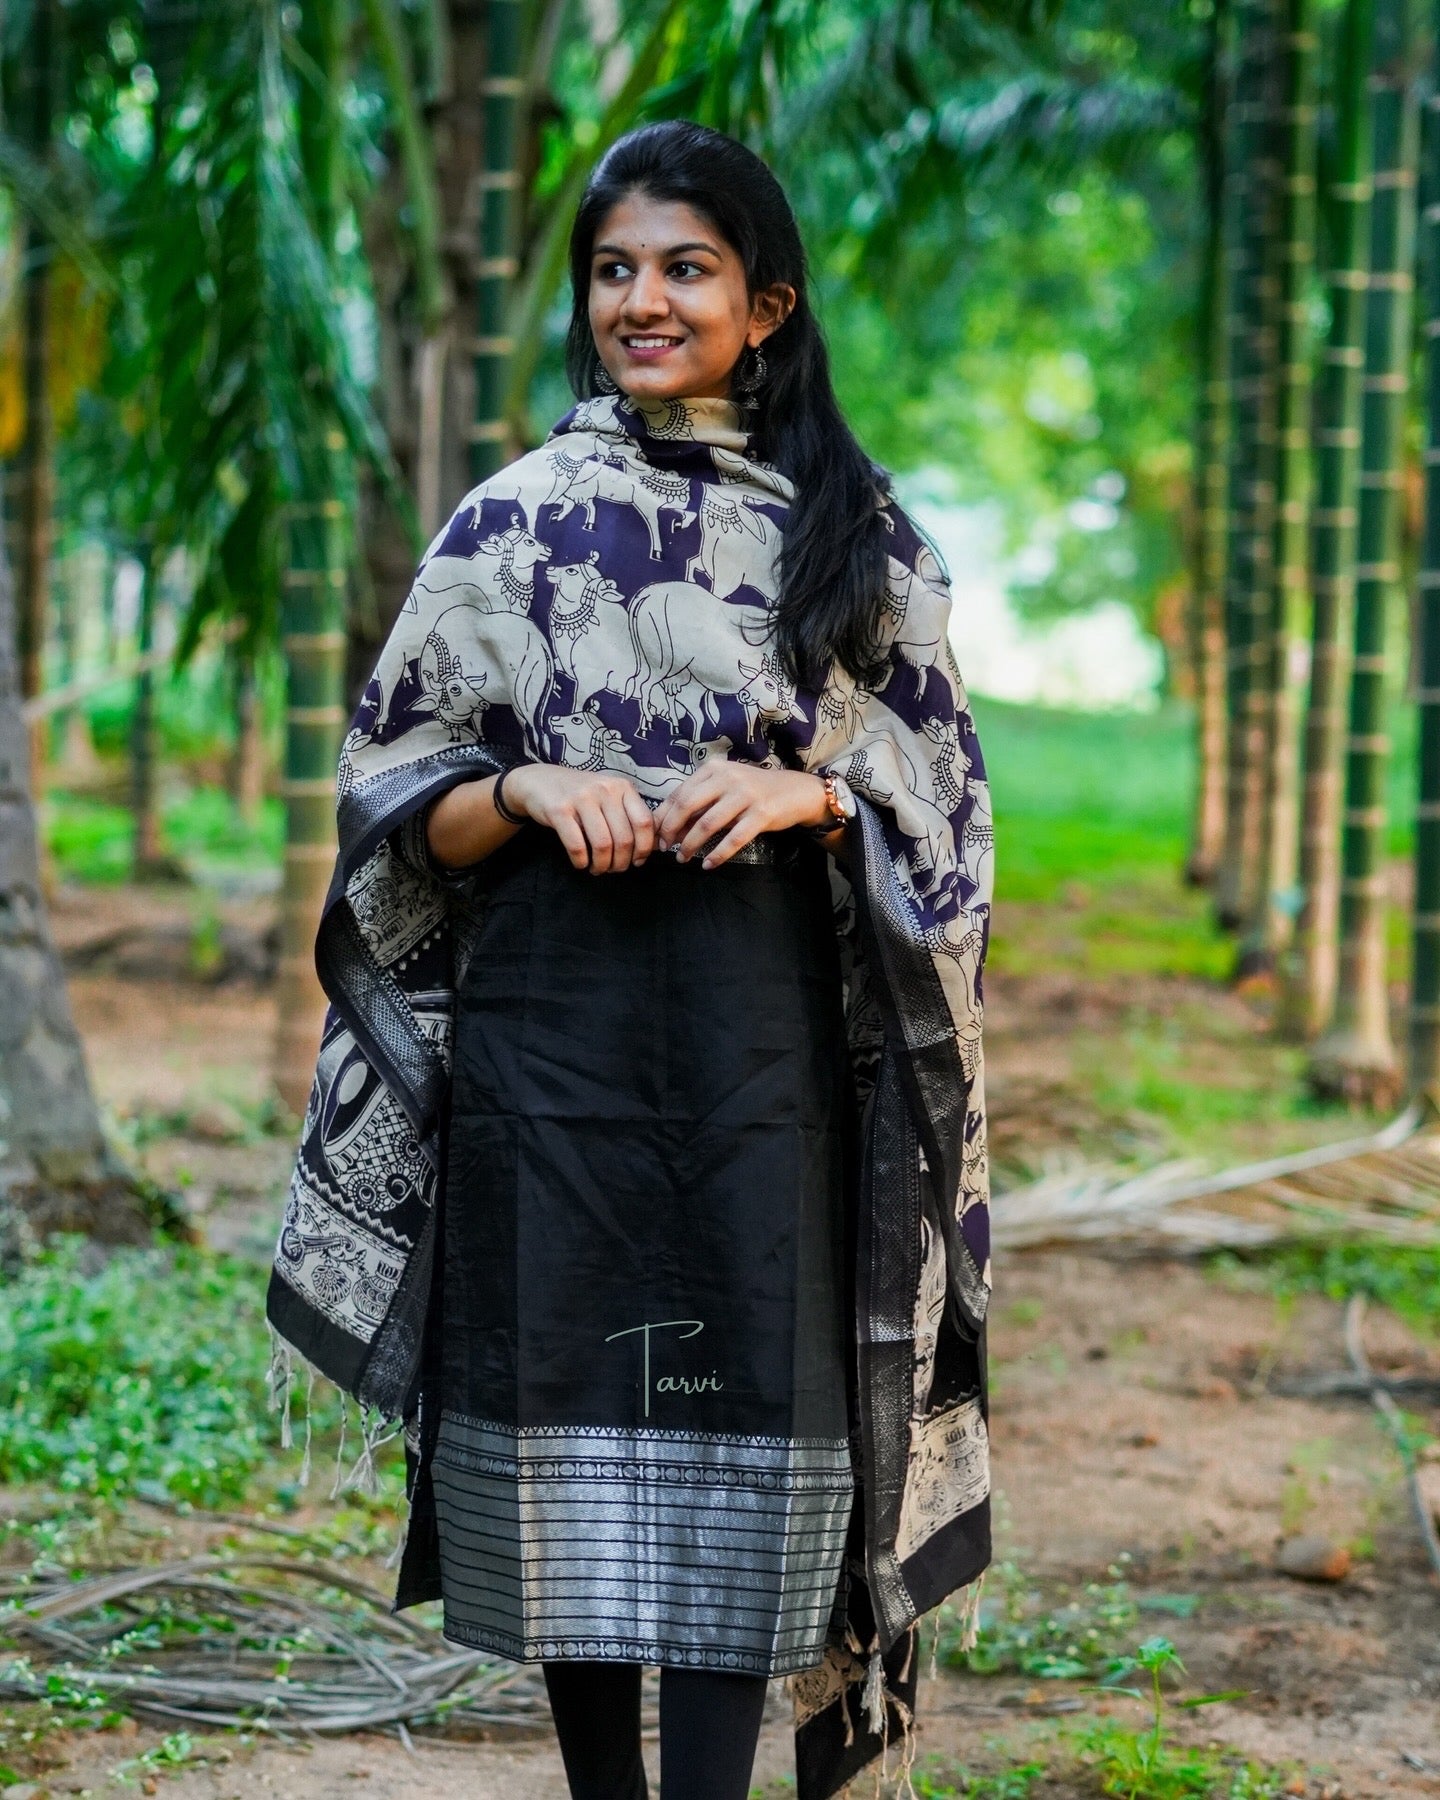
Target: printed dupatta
<point x="605" y="602"/>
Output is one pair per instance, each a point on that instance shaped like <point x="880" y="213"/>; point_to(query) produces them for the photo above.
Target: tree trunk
<point x="1356" y="1058"/>
<point x="35" y="502"/>
<point x="247" y="764"/>
<point x="504" y="91"/>
<point x="1207" y="600"/>
<point x="426" y="389"/>
<point x="1309" y="995"/>
<point x="313" y="616"/>
<point x="55" y="1171"/>
<point x="150" y="860"/>
<point x="1251" y="477"/>
<point x="1425" y="917"/>
<point x="1284" y="632"/>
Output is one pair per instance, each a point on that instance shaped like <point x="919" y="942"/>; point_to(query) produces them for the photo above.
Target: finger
<point x="694" y="793"/>
<point x="642" y="822"/>
<point x="622" y="832"/>
<point x="744" y="831"/>
<point x="597" y="833"/>
<point x="567" y="828"/>
<point x="721" y="813"/>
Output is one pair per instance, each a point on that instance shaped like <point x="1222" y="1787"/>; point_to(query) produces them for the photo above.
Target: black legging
<point x="709" y="1727"/>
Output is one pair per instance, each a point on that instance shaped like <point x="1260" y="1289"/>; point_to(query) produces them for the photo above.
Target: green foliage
<point x="1404" y="1277"/>
<point x="92" y="840"/>
<point x="1021" y="1634"/>
<point x="144" y="1373"/>
<point x="1131" y="1765"/>
<point x="1009" y="1784"/>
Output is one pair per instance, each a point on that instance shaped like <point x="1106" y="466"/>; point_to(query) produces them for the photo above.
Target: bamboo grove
<point x="1317" y="375"/>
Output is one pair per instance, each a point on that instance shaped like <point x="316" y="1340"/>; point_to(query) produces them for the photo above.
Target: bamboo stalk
<point x="1251" y="446"/>
<point x="1309" y="990"/>
<point x="1425" y="915"/>
<point x="1356" y="1058"/>
<point x="503" y="92"/>
<point x="1283" y="634"/>
<point x="1207" y="601"/>
<point x="313" y="619"/>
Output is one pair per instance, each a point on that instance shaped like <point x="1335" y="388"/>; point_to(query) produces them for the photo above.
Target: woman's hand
<point x="740" y="800"/>
<point x="601" y="819"/>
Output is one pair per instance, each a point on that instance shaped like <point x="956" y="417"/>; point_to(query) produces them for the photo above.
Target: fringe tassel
<point x="339" y="1481"/>
<point x="282" y="1374"/>
<point x="397" y="1555"/>
<point x="969" y="1619"/>
<point x="909" y="1653"/>
<point x="872" y="1698"/>
<point x="309" y="1426"/>
<point x="373" y="1438"/>
<point x="908" y="1748"/>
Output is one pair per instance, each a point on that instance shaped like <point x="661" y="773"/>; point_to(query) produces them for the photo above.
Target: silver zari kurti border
<point x="679" y="1549"/>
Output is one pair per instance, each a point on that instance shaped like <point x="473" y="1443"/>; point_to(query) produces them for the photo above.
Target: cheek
<point x="601" y="309"/>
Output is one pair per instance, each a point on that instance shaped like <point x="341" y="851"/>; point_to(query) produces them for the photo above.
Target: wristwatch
<point x="841" y="801"/>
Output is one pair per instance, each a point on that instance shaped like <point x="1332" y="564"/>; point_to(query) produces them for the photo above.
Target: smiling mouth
<point x="650" y="343"/>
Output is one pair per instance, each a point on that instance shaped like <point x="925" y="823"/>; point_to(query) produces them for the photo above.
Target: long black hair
<point x="832" y="563"/>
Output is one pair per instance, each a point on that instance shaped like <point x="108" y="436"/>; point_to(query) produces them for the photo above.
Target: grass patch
<point x="1404" y="1277"/>
<point x="93" y="840"/>
<point x="1082" y="1637"/>
<point x="140" y="1374"/>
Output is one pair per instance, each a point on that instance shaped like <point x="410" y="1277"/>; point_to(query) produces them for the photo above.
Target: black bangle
<point x="497" y="799"/>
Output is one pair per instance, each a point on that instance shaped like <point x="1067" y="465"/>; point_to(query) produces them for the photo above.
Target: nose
<point x="646" y="299"/>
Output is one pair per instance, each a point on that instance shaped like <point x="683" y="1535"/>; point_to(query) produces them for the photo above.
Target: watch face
<point x="845" y="797"/>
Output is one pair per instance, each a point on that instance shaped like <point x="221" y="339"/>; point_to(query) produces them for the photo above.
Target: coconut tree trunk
<point x="1309" y="992"/>
<point x="149" y="860"/>
<point x="1286" y="629"/>
<point x="1425" y="918"/>
<point x="1207" y="601"/>
<point x="55" y="1171"/>
<point x="426" y="389"/>
<point x="35" y="500"/>
<point x="1253" y="289"/>
<point x="1356" y="1058"/>
<point x="504" y="90"/>
<point x="313" y="614"/>
<point x="247" y="764"/>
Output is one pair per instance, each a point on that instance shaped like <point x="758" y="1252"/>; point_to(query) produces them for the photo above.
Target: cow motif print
<point x="607" y="603"/>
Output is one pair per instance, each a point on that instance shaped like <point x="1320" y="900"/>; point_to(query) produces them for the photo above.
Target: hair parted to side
<point x="832" y="565"/>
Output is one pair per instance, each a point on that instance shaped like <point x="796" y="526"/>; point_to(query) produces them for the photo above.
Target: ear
<point x="749" y="673"/>
<point x="797" y="711"/>
<point x="769" y="310"/>
<point x="426" y="703"/>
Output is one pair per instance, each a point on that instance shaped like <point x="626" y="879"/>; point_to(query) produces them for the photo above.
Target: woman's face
<point x="668" y="305"/>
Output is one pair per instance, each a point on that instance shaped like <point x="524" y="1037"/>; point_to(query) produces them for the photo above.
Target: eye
<point x="685" y="269"/>
<point x="611" y="271"/>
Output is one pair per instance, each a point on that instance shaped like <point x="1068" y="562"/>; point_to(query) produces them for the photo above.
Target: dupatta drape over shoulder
<point x="606" y="603"/>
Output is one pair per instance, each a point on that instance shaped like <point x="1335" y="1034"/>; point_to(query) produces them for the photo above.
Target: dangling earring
<point x="751" y="380"/>
<point x="604" y="380"/>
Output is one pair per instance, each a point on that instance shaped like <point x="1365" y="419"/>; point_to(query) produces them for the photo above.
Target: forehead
<point x="641" y="222"/>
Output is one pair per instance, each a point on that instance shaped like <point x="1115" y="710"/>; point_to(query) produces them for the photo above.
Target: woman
<point x="644" y="1174"/>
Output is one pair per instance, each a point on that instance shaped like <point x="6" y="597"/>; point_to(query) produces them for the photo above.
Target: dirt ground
<point x="1140" y="1427"/>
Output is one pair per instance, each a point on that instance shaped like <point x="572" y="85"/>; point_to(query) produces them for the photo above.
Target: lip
<point x="650" y="353"/>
